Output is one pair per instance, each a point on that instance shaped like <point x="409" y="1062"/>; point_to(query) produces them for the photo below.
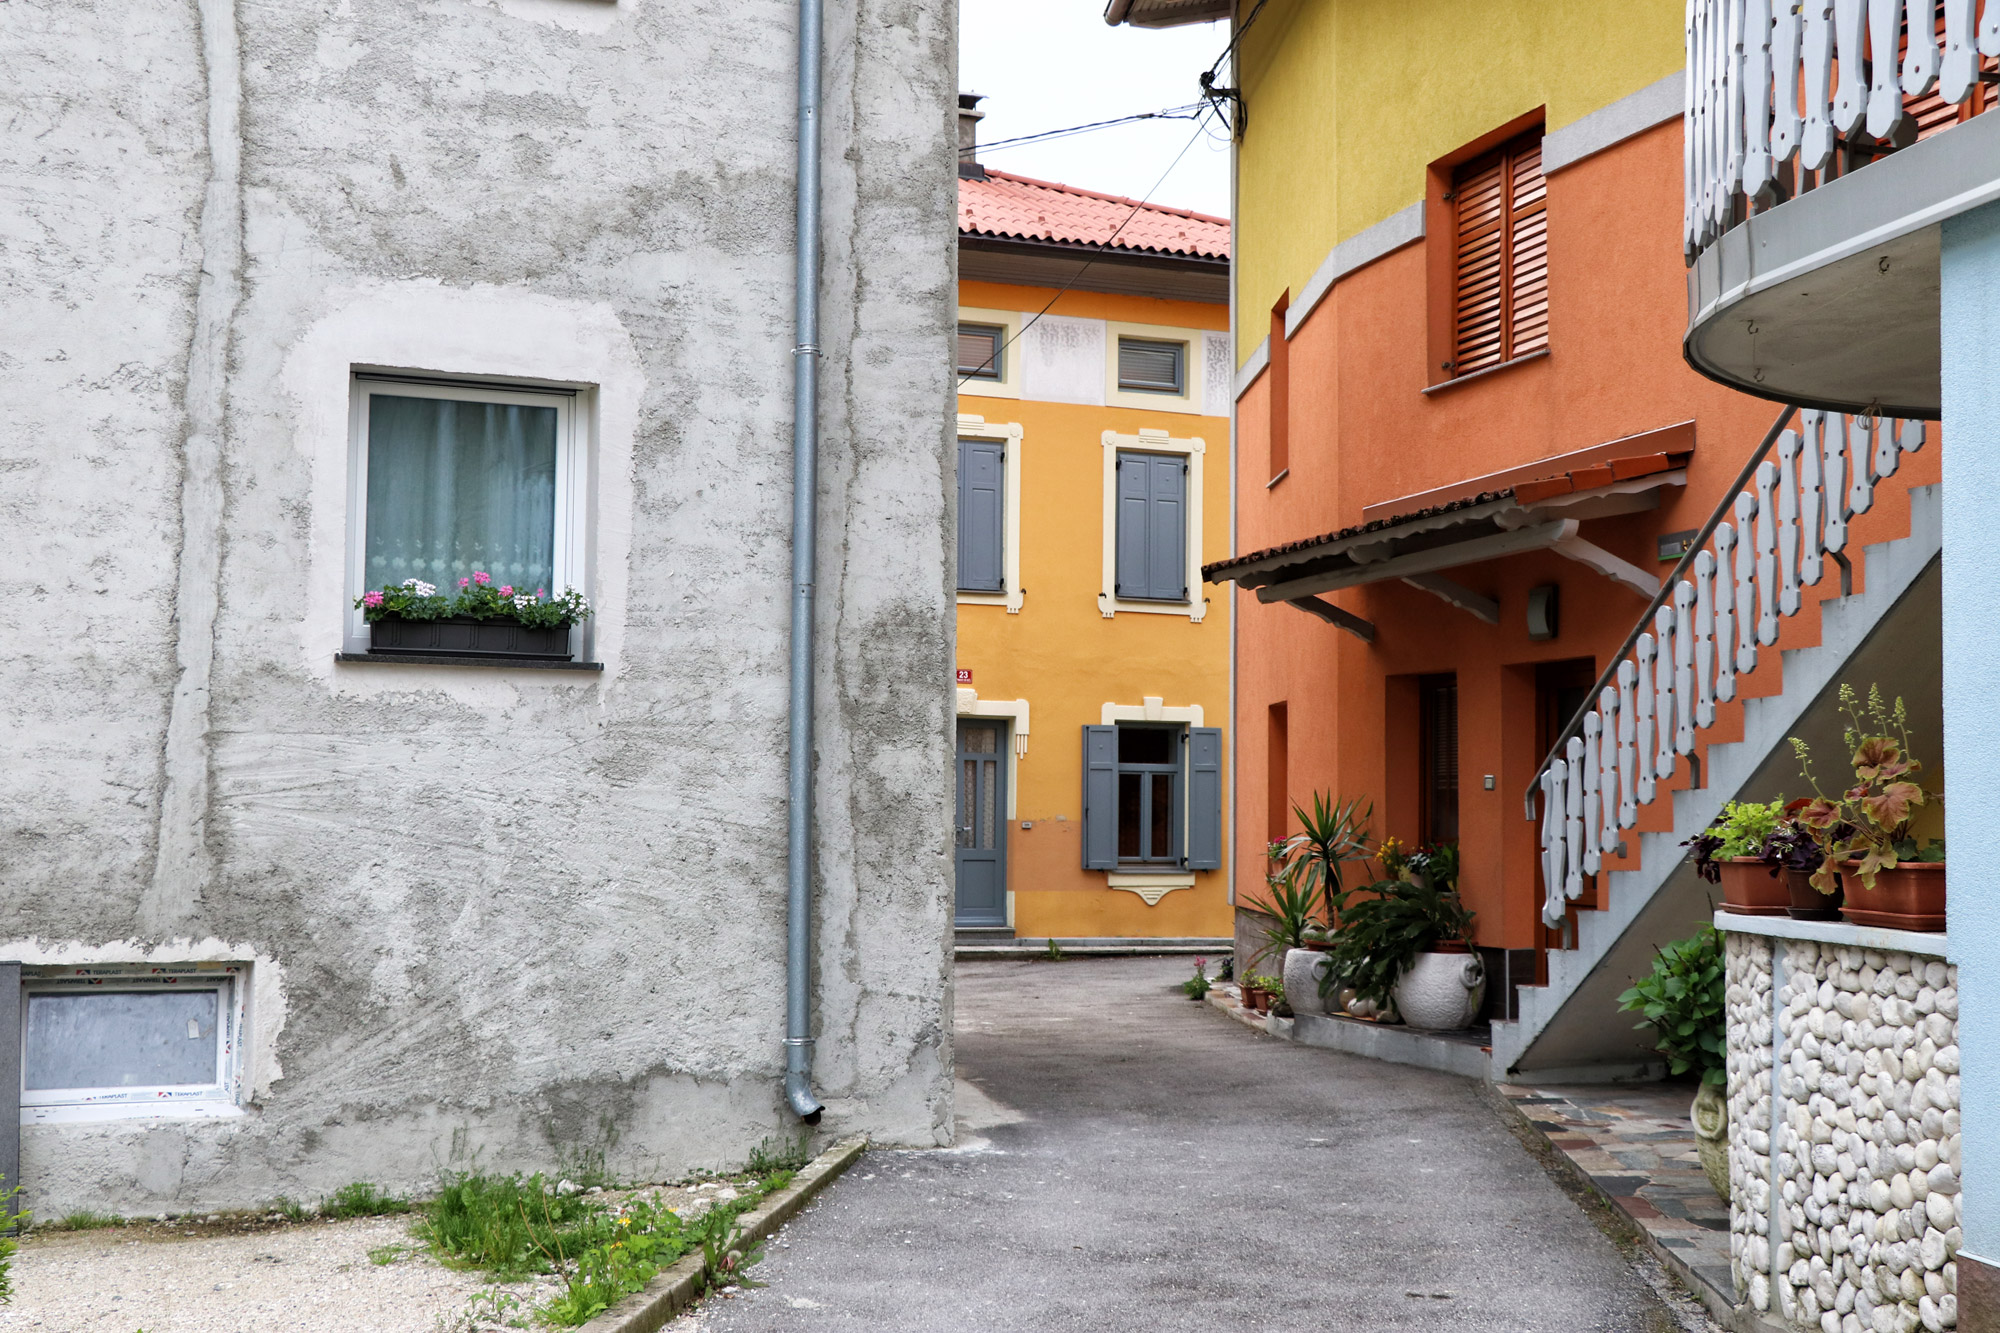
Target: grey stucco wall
<point x="505" y="916"/>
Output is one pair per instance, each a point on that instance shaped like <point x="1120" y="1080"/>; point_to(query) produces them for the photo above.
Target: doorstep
<point x="1635" y="1145"/>
<point x="1009" y="946"/>
<point x="1468" y="1053"/>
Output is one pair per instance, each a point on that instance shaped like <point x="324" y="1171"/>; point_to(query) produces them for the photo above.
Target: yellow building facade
<point x="1093" y="664"/>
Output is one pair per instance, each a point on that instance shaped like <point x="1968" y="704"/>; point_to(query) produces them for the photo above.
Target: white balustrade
<point x="1705" y="633"/>
<point x="1777" y="86"/>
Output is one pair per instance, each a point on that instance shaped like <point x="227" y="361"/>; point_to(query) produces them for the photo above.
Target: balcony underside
<point x="1830" y="299"/>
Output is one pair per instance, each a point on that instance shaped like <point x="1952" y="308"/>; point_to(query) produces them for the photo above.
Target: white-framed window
<point x="450" y="478"/>
<point x="117" y="1042"/>
<point x="1155" y="367"/>
<point x="1152" y="525"/>
<point x="989" y="514"/>
<point x="988" y="363"/>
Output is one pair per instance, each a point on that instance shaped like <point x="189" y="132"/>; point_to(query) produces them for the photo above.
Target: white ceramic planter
<point x="1441" y="991"/>
<point x="1303" y="969"/>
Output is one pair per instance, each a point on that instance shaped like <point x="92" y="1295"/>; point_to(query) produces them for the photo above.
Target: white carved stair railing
<point x="1703" y="632"/>
<point x="1776" y="87"/>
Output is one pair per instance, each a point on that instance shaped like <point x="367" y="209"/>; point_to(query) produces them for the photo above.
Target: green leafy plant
<point x="1331" y="837"/>
<point x="478" y="598"/>
<point x="1790" y="845"/>
<point x="1740" y="830"/>
<point x="12" y="1218"/>
<point x="1383" y="930"/>
<point x="1682" y="1001"/>
<point x="1869" y="822"/>
<point x="1197" y="986"/>
<point x="361" y="1199"/>
<point x="89" y="1221"/>
<point x="1436" y="862"/>
<point x="1288" y="913"/>
<point x="1055" y="953"/>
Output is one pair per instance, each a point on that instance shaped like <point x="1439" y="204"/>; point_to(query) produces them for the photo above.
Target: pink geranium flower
<point x="372" y="599"/>
<point x="506" y="590"/>
<point x="481" y="577"/>
<point x="463" y="582"/>
<point x="540" y="593"/>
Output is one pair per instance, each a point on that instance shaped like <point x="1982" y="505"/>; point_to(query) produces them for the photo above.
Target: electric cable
<point x="1191" y="111"/>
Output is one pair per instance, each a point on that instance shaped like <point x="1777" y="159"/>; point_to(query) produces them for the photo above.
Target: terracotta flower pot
<point x="1750" y="889"/>
<point x="1808" y="903"/>
<point x="1910" y="897"/>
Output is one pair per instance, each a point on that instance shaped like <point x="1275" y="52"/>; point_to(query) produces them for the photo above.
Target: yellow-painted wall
<point x="1350" y="101"/>
<point x="1063" y="656"/>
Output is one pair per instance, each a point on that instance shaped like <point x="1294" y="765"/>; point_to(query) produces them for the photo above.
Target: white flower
<point x="421" y="588"/>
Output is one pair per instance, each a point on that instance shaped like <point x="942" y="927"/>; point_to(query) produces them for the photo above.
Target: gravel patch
<point x="309" y="1278"/>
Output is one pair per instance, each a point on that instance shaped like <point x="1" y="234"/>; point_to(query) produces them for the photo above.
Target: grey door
<point x="981" y="860"/>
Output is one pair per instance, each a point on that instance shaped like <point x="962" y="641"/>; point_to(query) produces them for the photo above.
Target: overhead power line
<point x="1192" y="111"/>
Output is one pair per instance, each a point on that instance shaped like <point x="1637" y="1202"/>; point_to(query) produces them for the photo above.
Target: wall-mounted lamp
<point x="1542" y="607"/>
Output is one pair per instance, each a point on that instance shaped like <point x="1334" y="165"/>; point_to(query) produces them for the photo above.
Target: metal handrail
<point x="1660" y="598"/>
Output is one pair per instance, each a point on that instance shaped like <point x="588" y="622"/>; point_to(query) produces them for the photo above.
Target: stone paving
<point x="1637" y="1145"/>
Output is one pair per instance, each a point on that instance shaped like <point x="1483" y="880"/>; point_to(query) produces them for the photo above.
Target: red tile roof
<point x="1021" y="208"/>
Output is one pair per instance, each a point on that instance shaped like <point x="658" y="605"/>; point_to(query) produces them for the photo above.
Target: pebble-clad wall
<point x="1867" y="1137"/>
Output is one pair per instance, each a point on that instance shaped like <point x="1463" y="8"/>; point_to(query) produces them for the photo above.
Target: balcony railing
<point x="1785" y="95"/>
<point x="1723" y="602"/>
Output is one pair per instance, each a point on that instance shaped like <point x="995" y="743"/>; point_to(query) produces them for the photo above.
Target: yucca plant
<point x="1331" y="837"/>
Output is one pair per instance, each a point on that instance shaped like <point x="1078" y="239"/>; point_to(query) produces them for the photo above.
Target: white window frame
<point x="1194" y="368"/>
<point x="572" y="462"/>
<point x="1011" y="594"/>
<point x="222" y="1098"/>
<point x="1152" y="441"/>
<point x="1008" y="385"/>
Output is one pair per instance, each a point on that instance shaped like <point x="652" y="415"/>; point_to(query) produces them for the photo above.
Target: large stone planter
<point x="1303" y="969"/>
<point x="1441" y="991"/>
<point x="1710" y="1114"/>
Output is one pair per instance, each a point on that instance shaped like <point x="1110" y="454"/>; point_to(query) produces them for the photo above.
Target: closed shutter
<point x="981" y="503"/>
<point x="1100" y="798"/>
<point x="1500" y="304"/>
<point x="1204" y="817"/>
<point x="980" y="347"/>
<point x="1147" y="366"/>
<point x="1152" y="527"/>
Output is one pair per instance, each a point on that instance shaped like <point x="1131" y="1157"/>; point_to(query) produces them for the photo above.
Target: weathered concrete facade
<point x="495" y="913"/>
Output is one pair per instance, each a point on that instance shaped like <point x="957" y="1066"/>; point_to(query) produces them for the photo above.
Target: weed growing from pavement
<point x="89" y="1221"/>
<point x="361" y="1199"/>
<point x="514" y="1227"/>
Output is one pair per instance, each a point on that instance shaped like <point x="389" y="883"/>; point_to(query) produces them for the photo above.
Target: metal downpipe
<point x="805" y="516"/>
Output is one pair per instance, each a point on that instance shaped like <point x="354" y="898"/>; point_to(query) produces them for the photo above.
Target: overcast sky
<point x="1050" y="64"/>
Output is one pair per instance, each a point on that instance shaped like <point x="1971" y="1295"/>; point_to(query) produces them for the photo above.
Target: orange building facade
<point x="1093" y="662"/>
<point x="1463" y="464"/>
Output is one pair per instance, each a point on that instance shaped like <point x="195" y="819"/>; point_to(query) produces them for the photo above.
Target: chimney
<point x="969" y="116"/>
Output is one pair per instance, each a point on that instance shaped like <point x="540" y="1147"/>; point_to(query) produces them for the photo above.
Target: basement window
<point x="116" y="1042"/>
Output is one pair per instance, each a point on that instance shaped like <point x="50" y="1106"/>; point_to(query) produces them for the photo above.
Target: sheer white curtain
<point x="455" y="487"/>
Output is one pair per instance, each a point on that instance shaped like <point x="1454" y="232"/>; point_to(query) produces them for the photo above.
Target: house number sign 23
<point x="965" y="675"/>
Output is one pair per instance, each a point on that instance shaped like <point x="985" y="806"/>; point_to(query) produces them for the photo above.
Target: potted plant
<point x="1408" y="941"/>
<point x="1866" y="833"/>
<point x="1197" y="986"/>
<point x="1793" y="856"/>
<point x="1308" y="888"/>
<point x="481" y="619"/>
<point x="1729" y="852"/>
<point x="1682" y="1000"/>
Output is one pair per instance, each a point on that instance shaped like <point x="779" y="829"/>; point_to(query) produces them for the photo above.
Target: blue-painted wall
<point x="1970" y="334"/>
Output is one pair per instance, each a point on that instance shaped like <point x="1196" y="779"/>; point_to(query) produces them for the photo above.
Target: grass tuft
<point x="361" y="1199"/>
<point x="89" y="1221"/>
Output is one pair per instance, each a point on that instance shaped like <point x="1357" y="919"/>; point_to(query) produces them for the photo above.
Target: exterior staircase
<point x="1638" y="773"/>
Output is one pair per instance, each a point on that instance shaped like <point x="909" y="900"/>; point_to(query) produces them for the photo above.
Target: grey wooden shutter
<point x="1204" y="828"/>
<point x="1167" y="543"/>
<point x="981" y="500"/>
<point x="1100" y="798"/>
<point x="1152" y="527"/>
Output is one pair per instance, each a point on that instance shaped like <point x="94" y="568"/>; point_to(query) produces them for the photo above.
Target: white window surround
<point x="1012" y="594"/>
<point x="1152" y="708"/>
<point x="1151" y="887"/>
<point x="1009" y="383"/>
<point x="1014" y="711"/>
<point x="1155" y="442"/>
<point x="86" y="1105"/>
<point x="572" y="405"/>
<point x="1193" y="365"/>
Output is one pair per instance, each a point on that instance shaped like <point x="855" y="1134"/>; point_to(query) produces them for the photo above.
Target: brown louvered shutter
<point x="1500" y="306"/>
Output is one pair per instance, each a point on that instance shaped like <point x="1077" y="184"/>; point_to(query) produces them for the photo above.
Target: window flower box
<point x="463" y="636"/>
<point x="411" y="619"/>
